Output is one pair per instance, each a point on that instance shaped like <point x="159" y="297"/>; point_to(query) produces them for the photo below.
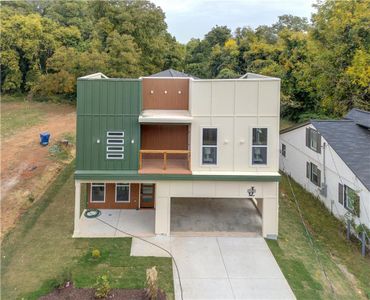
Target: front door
<point x="147" y="195"/>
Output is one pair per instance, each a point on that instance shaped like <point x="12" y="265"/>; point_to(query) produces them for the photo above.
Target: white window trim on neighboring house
<point x="91" y="193"/>
<point x="259" y="146"/>
<point x="129" y="193"/>
<point x="210" y="146"/>
<point x="310" y="141"/>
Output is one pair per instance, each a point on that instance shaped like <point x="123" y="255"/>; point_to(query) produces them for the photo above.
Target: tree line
<point x="324" y="63"/>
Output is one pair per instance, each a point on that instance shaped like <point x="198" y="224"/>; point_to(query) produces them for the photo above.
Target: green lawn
<point x="347" y="270"/>
<point x="39" y="253"/>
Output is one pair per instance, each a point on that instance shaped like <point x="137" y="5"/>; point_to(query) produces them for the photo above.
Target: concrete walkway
<point x="221" y="267"/>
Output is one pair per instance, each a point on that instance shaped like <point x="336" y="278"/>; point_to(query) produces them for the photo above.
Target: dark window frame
<point x="314" y="177"/>
<point x="283" y="150"/>
<point x="259" y="145"/>
<point x="212" y="146"/>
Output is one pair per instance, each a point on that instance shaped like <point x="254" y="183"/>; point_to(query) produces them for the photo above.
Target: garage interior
<point x="215" y="215"/>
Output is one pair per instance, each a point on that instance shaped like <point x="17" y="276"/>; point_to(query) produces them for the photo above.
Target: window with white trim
<point x="313" y="139"/>
<point x="209" y="146"/>
<point x="259" y="146"/>
<point x="122" y="192"/>
<point x="97" y="192"/>
<point x="115" y="145"/>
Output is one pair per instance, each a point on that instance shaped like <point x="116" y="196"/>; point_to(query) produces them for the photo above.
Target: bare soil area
<point x="26" y="166"/>
<point x="72" y="293"/>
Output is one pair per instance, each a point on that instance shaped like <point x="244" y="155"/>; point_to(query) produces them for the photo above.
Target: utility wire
<point x="309" y="236"/>
<point x="153" y="244"/>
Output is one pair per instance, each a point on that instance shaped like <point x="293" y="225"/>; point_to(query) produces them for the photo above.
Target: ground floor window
<point x="313" y="173"/>
<point x="122" y="192"/>
<point x="97" y="192"/>
<point x="349" y="199"/>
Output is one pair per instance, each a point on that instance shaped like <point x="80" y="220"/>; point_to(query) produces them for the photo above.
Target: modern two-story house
<point x="331" y="159"/>
<point x="143" y="142"/>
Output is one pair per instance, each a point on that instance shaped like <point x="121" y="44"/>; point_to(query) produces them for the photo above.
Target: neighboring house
<point x="331" y="159"/>
<point x="141" y="142"/>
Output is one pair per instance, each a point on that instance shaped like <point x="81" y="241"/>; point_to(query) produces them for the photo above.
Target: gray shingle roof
<point x="360" y="117"/>
<point x="351" y="142"/>
<point x="171" y="73"/>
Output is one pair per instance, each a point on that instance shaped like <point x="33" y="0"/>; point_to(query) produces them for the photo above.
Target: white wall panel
<point x="222" y="98"/>
<point x="201" y="97"/>
<point x="268" y="94"/>
<point x="246" y="98"/>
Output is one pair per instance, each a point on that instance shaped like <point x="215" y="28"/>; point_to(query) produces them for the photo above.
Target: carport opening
<point x="215" y="216"/>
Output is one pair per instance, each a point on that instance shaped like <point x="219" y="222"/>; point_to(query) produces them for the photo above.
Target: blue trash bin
<point x="44" y="138"/>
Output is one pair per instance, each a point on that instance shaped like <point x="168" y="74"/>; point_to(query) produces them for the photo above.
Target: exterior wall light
<point x="98" y="141"/>
<point x="251" y="191"/>
<point x="152" y="92"/>
<point x="179" y="92"/>
<point x="165" y="92"/>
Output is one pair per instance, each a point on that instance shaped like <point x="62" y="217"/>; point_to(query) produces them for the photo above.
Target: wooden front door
<point x="147" y="195"/>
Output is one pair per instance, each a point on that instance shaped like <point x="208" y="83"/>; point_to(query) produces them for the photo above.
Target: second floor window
<point x="259" y="146"/>
<point x="209" y="146"/>
<point x="313" y="140"/>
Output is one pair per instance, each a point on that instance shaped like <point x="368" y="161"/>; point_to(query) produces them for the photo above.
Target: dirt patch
<point x="72" y="293"/>
<point x="26" y="167"/>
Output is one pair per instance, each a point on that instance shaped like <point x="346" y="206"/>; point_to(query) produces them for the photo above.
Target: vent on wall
<point x="115" y="142"/>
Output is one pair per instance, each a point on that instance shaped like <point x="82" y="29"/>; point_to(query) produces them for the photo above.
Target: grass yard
<point x="40" y="253"/>
<point x="24" y="116"/>
<point x="347" y="270"/>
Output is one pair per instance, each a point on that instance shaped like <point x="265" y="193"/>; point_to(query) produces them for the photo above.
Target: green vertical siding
<point x="107" y="105"/>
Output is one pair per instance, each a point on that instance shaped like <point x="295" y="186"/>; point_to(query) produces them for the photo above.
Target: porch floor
<point x="138" y="222"/>
<point x="174" y="166"/>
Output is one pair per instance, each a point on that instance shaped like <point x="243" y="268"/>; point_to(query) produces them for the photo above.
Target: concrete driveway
<point x="221" y="267"/>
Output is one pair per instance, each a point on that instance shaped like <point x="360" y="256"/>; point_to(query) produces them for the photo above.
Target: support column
<point x="162" y="215"/>
<point x="77" y="206"/>
<point x="270" y="216"/>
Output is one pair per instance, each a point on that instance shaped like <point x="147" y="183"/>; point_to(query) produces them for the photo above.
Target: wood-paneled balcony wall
<point x="164" y="149"/>
<point x="164" y="162"/>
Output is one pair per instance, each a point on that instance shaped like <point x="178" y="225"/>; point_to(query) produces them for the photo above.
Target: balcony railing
<point x="164" y="161"/>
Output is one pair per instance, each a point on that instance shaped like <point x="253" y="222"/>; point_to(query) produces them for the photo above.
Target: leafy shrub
<point x="102" y="286"/>
<point x="95" y="253"/>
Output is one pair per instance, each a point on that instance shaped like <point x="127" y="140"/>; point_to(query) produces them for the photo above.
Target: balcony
<point x="164" y="162"/>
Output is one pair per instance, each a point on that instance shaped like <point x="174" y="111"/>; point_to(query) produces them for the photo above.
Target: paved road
<point x="221" y="267"/>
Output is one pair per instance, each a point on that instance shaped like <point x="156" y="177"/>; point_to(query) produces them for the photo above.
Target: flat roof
<point x="165" y="116"/>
